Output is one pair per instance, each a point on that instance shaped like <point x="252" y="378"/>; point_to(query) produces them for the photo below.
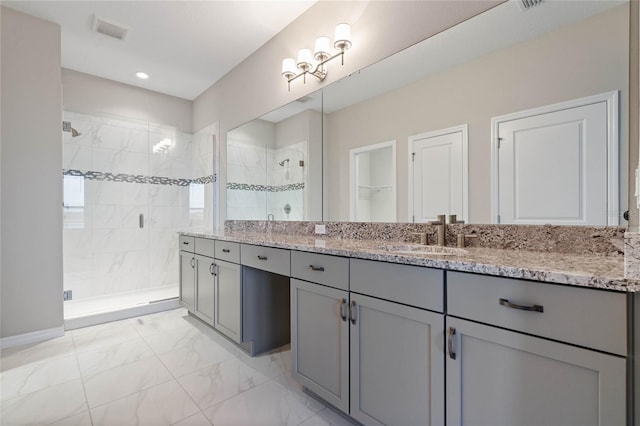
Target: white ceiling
<point x="184" y="46"/>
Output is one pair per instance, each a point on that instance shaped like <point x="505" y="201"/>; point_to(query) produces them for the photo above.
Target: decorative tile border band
<point x="265" y="188"/>
<point x="122" y="177"/>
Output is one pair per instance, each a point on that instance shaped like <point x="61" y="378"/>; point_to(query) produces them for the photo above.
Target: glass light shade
<point x="342" y="36"/>
<point x="322" y="47"/>
<point x="288" y="67"/>
<point x="304" y="58"/>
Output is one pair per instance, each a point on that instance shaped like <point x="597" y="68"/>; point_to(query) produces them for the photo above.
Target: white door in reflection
<point x="438" y="182"/>
<point x="558" y="165"/>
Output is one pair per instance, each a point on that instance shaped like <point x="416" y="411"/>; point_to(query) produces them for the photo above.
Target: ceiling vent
<point x="109" y="28"/>
<point x="528" y="4"/>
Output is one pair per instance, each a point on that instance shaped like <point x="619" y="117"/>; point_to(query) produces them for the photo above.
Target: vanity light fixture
<point x="305" y="64"/>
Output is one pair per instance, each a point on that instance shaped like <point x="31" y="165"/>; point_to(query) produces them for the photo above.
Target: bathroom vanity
<point x="378" y="328"/>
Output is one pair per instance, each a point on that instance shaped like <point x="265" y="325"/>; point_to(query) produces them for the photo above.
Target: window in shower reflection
<point x="73" y="202"/>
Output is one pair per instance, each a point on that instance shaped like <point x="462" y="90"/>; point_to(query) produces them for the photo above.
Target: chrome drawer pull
<point x="186" y="243"/>
<point x="532" y="308"/>
<point x="317" y="268"/>
<point x="226" y="251"/>
<point x="262" y="257"/>
<point x="344" y="306"/>
<point x="451" y="333"/>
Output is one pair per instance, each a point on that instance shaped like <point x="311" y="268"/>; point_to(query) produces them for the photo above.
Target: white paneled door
<point x="558" y="166"/>
<point x="438" y="177"/>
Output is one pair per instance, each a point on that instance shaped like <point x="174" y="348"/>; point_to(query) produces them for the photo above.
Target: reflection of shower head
<point x="66" y="127"/>
<point x="286" y="160"/>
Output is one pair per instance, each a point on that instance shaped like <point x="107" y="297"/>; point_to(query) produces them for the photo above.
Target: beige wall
<point x="379" y="29"/>
<point x="31" y="163"/>
<point x="88" y="94"/>
<point x="583" y="59"/>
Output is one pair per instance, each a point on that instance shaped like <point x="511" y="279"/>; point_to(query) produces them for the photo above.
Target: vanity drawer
<point x="205" y="247"/>
<point x="586" y="317"/>
<point x="228" y="251"/>
<point x="268" y="259"/>
<point x="332" y="271"/>
<point x="411" y="285"/>
<point x="187" y="243"/>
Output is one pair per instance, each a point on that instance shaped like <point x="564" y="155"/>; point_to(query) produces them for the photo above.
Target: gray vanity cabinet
<point x="320" y="340"/>
<point x="188" y="280"/>
<point x="397" y="363"/>
<point x="204" y="287"/>
<point x="228" y="299"/>
<point x="500" y="377"/>
<point x="507" y="361"/>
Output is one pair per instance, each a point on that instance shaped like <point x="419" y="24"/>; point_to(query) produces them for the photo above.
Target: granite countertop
<point x="593" y="271"/>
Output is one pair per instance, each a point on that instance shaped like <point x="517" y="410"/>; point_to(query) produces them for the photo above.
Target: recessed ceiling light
<point x="142" y="75"/>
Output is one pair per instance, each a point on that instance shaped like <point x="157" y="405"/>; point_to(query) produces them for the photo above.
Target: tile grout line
<point x="84" y="390"/>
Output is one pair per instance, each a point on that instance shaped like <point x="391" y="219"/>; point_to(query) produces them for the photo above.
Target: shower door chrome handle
<point x="141" y="220"/>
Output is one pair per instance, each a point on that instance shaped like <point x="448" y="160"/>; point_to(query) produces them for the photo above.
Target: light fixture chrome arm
<point x="320" y="71"/>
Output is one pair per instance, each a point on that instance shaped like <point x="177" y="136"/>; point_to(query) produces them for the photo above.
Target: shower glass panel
<point x="129" y="187"/>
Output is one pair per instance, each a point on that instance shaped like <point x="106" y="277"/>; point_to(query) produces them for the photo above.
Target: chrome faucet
<point x="441" y="229"/>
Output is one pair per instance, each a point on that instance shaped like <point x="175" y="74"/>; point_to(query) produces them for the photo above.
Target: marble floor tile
<point x="103" y="336"/>
<point x="195" y="420"/>
<point x="127" y="379"/>
<point x="34" y="377"/>
<point x="221" y="381"/>
<point x="164" y="404"/>
<point x="268" y="404"/>
<point x="93" y="362"/>
<point x="82" y="419"/>
<point x="327" y="417"/>
<point x="269" y="364"/>
<point x="20" y="356"/>
<point x="165" y="342"/>
<point x="44" y="406"/>
<point x="201" y="353"/>
<point x="160" y="324"/>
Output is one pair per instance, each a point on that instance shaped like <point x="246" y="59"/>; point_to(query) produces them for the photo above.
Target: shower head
<point x="286" y="160"/>
<point x="66" y="127"/>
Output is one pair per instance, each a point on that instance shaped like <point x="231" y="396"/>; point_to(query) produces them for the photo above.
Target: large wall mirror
<point x="513" y="116"/>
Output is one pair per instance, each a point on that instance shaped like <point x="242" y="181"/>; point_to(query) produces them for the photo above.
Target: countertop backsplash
<point x="579" y="240"/>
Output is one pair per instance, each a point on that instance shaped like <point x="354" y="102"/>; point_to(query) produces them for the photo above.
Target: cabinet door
<point x="188" y="280"/>
<point x="500" y="377"/>
<point x="228" y="300"/>
<point x="205" y="287"/>
<point x="397" y="363"/>
<point x="320" y="341"/>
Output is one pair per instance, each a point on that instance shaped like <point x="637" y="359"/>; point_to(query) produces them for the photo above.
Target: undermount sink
<point x="423" y="250"/>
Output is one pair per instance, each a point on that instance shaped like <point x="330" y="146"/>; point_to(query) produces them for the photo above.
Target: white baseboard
<point x="32" y="337"/>
<point x="135" y="311"/>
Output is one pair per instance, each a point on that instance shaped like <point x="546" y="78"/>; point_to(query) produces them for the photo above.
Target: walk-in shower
<point x="124" y="203"/>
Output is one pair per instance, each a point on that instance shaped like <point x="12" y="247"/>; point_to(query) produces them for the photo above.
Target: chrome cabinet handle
<point x="193" y="262"/>
<point x="353" y="312"/>
<point x="141" y="220"/>
<point x="262" y="257"/>
<point x="532" y="308"/>
<point x="212" y="269"/>
<point x="451" y="333"/>
<point x="226" y="251"/>
<point x="344" y="306"/>
<point x="186" y="243"/>
<point x="316" y="268"/>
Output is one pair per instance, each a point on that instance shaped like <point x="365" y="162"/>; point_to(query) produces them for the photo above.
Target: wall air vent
<point x="109" y="28"/>
<point x="528" y="4"/>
